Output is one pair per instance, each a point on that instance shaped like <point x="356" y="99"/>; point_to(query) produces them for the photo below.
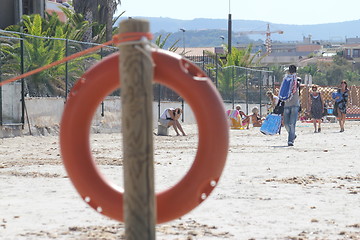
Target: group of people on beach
<point x="289" y="101"/>
<point x="319" y="108"/>
<point x="292" y="106"/>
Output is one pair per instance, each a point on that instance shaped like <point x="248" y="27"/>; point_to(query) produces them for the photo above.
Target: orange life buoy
<point x="195" y="87"/>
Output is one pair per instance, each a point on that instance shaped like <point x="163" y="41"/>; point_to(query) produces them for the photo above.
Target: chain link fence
<point x="20" y="53"/>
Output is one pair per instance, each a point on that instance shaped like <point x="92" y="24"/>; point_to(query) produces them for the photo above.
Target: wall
<point x="7" y="13"/>
<point x="43" y="116"/>
<point x="11" y="103"/>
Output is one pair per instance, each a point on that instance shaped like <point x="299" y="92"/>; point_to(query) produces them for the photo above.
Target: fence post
<point x="216" y="70"/>
<point x="203" y="61"/>
<point x="261" y="86"/>
<point x="183" y="110"/>
<point x="136" y="73"/>
<point x="22" y="68"/>
<point x="247" y="86"/>
<point x="0" y="93"/>
<point x="159" y="100"/>
<point x="102" y="102"/>
<point x="233" y="87"/>
<point x="66" y="69"/>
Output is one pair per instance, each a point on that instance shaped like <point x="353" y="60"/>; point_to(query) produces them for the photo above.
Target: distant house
<point x="197" y="51"/>
<point x="11" y="11"/>
<point x="351" y="51"/>
<point x="308" y="48"/>
<point x="54" y="6"/>
<point x="355" y="40"/>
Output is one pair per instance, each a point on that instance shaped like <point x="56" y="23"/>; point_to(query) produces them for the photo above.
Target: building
<point x="355" y="40"/>
<point x="351" y="51"/>
<point x="54" y="6"/>
<point x="11" y="11"/>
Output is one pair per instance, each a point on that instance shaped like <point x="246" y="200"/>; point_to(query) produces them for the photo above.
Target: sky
<point x="301" y="12"/>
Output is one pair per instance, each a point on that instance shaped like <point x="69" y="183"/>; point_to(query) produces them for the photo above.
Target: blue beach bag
<point x="271" y="125"/>
<point x="287" y="86"/>
<point x="335" y="95"/>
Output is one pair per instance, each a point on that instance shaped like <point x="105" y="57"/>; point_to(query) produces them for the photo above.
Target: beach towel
<point x="288" y="87"/>
<point x="271" y="125"/>
<point x="233" y="114"/>
<point x="235" y="119"/>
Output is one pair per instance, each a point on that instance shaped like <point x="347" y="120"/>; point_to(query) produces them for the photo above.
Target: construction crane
<point x="267" y="33"/>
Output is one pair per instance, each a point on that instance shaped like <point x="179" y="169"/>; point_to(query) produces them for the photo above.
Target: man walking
<point x="289" y="92"/>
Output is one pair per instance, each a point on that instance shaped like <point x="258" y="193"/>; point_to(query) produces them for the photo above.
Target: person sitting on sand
<point x="255" y="117"/>
<point x="244" y="118"/>
<point x="170" y="117"/>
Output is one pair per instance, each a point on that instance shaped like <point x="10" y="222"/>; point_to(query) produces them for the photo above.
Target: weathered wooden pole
<point x="136" y="73"/>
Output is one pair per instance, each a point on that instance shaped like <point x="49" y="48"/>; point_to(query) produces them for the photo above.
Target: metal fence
<point x="20" y="53"/>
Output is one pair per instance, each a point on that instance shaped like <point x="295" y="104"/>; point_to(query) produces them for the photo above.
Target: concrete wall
<point x="11" y="103"/>
<point x="43" y="116"/>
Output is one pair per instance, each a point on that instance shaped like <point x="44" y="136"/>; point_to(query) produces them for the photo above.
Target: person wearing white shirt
<point x="170" y="117"/>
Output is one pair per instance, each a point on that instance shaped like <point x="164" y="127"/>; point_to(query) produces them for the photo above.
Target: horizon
<point x="332" y="32"/>
<point x="145" y="17"/>
<point x="277" y="12"/>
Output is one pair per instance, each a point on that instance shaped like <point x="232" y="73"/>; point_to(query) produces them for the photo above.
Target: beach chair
<point x="235" y="119"/>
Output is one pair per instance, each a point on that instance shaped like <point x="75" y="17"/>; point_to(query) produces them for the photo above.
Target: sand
<point x="267" y="190"/>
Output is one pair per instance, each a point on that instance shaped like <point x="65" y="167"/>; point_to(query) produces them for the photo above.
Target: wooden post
<point x="136" y="73"/>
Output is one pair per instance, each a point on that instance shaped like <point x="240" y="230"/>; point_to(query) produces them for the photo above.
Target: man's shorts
<point x="164" y="122"/>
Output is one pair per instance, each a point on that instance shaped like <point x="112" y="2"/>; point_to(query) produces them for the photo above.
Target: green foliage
<point x="40" y="51"/>
<point x="228" y="79"/>
<point x="352" y="78"/>
<point x="161" y="43"/>
<point x="76" y="25"/>
<point x="330" y="73"/>
<point x="339" y="60"/>
<point x="278" y="72"/>
<point x="99" y="13"/>
<point x="242" y="57"/>
<point x="311" y="69"/>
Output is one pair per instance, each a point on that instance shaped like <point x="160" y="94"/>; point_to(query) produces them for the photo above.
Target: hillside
<point x="336" y="32"/>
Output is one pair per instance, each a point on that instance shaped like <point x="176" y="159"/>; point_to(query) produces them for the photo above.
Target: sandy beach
<point x="267" y="191"/>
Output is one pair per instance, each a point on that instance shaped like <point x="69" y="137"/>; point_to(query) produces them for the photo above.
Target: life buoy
<point x="195" y="87"/>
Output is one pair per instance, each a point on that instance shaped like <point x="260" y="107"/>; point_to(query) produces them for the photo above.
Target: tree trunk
<point x="88" y="34"/>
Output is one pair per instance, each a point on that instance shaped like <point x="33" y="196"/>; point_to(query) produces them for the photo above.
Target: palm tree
<point x="87" y="9"/>
<point x="228" y="80"/>
<point x="38" y="52"/>
<point x="100" y="11"/>
<point x="107" y="9"/>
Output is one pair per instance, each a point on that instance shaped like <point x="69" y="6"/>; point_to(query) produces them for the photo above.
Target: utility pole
<point x="229" y="30"/>
<point x="183" y="31"/>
